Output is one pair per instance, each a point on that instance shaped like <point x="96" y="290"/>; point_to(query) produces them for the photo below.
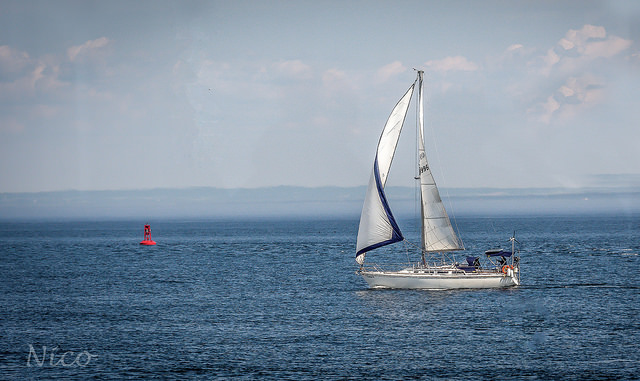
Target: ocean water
<point x="279" y="299"/>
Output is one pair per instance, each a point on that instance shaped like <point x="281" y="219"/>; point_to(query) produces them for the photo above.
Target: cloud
<point x="570" y="78"/>
<point x="87" y="49"/>
<point x="333" y="75"/>
<point x="35" y="90"/>
<point x="18" y="74"/>
<point x="457" y="63"/>
<point x="579" y="38"/>
<point x="12" y="61"/>
<point x="514" y="47"/>
<point x="24" y="85"/>
<point x="572" y="98"/>
<point x="579" y="48"/>
<point x="388" y="71"/>
<point x="10" y="124"/>
<point x="514" y="55"/>
<point x="294" y="69"/>
<point x="592" y="42"/>
<point x="609" y="48"/>
<point x="335" y="80"/>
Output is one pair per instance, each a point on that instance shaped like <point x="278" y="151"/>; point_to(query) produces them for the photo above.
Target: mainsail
<point x="378" y="227"/>
<point x="437" y="232"/>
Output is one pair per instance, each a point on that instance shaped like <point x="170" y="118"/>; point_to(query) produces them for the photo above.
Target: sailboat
<point x="437" y="267"/>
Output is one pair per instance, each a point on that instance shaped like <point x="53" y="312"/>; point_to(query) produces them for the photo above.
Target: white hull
<point x="422" y="280"/>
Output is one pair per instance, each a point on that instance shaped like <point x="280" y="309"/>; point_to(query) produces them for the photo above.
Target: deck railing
<point x="394" y="267"/>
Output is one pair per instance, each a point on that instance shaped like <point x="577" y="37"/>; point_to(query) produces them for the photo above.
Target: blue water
<point x="279" y="299"/>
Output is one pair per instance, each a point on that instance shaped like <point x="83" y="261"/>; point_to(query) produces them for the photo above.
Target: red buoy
<point x="147" y="236"/>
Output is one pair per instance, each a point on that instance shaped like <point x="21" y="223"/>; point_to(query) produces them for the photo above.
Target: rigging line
<point x="407" y="242"/>
<point x="406" y="251"/>
<point x="446" y="189"/>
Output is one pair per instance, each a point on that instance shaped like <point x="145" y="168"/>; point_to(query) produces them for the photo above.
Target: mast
<point x="420" y="127"/>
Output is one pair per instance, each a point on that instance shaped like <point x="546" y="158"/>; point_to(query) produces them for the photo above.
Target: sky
<point x="116" y="95"/>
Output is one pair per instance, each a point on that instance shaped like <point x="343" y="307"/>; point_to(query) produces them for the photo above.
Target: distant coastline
<point x="291" y="201"/>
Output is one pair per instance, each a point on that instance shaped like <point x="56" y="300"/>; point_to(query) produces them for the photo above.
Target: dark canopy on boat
<point x="498" y="253"/>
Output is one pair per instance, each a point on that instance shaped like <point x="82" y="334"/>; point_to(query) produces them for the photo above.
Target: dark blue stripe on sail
<point x="396" y="234"/>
